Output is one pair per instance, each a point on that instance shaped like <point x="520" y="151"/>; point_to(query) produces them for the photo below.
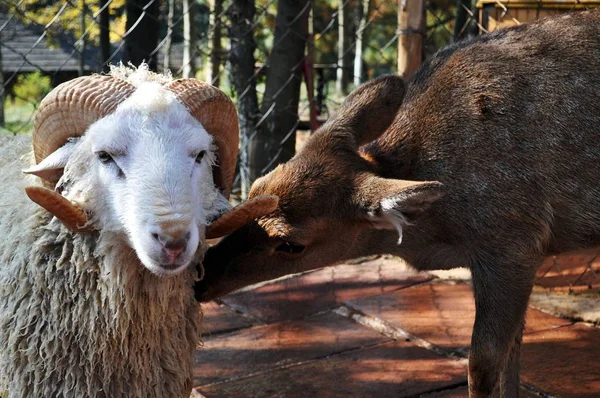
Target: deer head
<point x="333" y="204"/>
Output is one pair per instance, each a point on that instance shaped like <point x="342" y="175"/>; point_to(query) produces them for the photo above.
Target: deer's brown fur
<point x="488" y="157"/>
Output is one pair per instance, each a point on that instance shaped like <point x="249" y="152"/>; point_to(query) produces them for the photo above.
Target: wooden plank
<point x="507" y="13"/>
<point x="541" y="3"/>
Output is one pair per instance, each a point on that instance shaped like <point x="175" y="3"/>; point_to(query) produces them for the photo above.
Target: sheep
<point x="486" y="157"/>
<point x="96" y="295"/>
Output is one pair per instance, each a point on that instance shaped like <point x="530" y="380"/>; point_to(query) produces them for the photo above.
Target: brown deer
<point x="489" y="157"/>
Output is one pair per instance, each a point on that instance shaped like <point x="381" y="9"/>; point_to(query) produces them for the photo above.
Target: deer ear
<point x="392" y="204"/>
<point x="370" y="109"/>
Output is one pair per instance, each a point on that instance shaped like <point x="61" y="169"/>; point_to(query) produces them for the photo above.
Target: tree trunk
<point x="345" y="35"/>
<point x="363" y="12"/>
<point x="189" y="39"/>
<point x="411" y="22"/>
<point x="309" y="73"/>
<point x="241" y="64"/>
<point x="276" y="140"/>
<point x="2" y="90"/>
<point x="82" y="39"/>
<point x="142" y="27"/>
<point x="461" y="30"/>
<point x="169" y="40"/>
<point x="214" y="70"/>
<point x="104" y="35"/>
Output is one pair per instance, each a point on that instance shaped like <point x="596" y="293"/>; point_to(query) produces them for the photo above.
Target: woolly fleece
<point x="79" y="314"/>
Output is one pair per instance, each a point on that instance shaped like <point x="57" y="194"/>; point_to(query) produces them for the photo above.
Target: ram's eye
<point x="200" y="156"/>
<point x="104" y="157"/>
<point x="291" y="248"/>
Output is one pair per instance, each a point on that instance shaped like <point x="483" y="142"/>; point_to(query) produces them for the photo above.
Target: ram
<point x="487" y="157"/>
<point x="98" y="300"/>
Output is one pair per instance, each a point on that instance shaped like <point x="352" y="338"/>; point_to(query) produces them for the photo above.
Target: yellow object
<point x="497" y="14"/>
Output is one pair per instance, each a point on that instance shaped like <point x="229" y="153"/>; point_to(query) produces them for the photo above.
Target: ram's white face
<point x="146" y="171"/>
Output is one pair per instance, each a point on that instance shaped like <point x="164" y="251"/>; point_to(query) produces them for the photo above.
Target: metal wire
<point x="62" y="45"/>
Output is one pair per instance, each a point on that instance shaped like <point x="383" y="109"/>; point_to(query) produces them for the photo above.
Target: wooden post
<point x="411" y="29"/>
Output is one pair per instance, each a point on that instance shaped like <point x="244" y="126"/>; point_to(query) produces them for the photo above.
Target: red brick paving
<point x="577" y="271"/>
<point x="306" y="350"/>
<point x="221" y="319"/>
<point x="314" y="292"/>
<point x="563" y="362"/>
<point x="394" y="369"/>
<point x="461" y="392"/>
<point x="268" y="346"/>
<point x="440" y="313"/>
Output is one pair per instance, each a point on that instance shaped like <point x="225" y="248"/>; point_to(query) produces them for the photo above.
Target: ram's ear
<point x="51" y="168"/>
<point x="393" y="204"/>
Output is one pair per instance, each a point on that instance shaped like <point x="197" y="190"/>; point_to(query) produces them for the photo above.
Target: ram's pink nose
<point x="172" y="246"/>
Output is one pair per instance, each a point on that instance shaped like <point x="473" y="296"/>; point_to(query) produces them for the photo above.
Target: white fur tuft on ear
<point x="391" y="203"/>
<point x="394" y="216"/>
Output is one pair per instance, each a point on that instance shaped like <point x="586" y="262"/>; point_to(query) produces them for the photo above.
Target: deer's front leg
<point x="501" y="295"/>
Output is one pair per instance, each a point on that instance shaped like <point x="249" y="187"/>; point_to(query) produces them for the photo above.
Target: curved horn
<point x="241" y="215"/>
<point x="217" y="114"/>
<point x="69" y="109"/>
<point x="71" y="215"/>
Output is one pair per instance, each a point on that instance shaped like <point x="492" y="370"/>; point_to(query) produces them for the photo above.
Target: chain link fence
<point x="287" y="64"/>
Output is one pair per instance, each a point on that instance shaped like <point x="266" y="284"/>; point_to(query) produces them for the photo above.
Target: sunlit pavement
<point x="374" y="329"/>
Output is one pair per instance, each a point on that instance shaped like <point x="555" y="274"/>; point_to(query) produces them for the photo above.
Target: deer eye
<point x="290" y="248"/>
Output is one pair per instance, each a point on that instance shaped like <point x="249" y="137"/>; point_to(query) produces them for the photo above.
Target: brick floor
<point x="221" y="319"/>
<point x="440" y="313"/>
<point x="394" y="369"/>
<point x="563" y="362"/>
<point x="269" y="346"/>
<point x="321" y="290"/>
<point x="462" y="391"/>
<point x="577" y="271"/>
<point x="302" y="337"/>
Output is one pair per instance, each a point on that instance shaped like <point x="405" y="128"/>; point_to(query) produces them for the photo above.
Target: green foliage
<point x="440" y="24"/>
<point x="31" y="87"/>
<point x="20" y="107"/>
<point x="266" y="11"/>
<point x="18" y="118"/>
<point x="381" y="44"/>
<point x="61" y="17"/>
